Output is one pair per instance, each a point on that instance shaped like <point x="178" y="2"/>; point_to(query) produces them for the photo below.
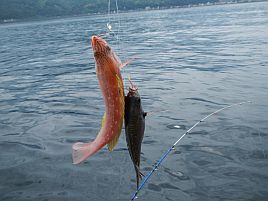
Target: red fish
<point x="110" y="80"/>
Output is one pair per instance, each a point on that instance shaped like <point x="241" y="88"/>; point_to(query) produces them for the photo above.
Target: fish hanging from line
<point x="134" y="127"/>
<point x="108" y="67"/>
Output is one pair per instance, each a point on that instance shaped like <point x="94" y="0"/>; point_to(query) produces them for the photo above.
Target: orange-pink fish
<point x="110" y="80"/>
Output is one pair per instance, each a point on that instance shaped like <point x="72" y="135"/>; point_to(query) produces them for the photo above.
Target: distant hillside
<point x="21" y="9"/>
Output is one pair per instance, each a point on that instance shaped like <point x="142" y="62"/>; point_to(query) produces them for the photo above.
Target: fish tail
<point x="81" y="151"/>
<point x="138" y="179"/>
<point x="139" y="176"/>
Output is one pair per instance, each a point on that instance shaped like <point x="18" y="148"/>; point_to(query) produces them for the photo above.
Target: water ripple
<point x="190" y="62"/>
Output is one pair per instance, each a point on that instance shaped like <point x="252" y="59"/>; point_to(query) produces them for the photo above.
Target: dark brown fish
<point x="134" y="127"/>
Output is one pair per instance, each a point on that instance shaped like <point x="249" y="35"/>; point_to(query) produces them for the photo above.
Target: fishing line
<point x="109" y="18"/>
<point x="147" y="177"/>
<point x="109" y="24"/>
<point x="120" y="50"/>
<point x="119" y="24"/>
<point x="115" y="34"/>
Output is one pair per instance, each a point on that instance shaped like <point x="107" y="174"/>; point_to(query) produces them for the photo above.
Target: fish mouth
<point x="132" y="88"/>
<point x="133" y="91"/>
<point x="98" y="44"/>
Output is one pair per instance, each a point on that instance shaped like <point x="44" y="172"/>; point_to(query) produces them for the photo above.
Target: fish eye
<point x="96" y="54"/>
<point x="108" y="48"/>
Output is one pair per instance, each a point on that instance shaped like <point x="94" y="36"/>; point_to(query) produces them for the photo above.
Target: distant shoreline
<point x="41" y="18"/>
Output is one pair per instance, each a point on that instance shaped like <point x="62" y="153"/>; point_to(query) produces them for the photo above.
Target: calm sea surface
<point x="189" y="61"/>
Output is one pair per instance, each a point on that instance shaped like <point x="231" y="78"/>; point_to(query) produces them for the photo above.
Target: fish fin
<point x="103" y="119"/>
<point x="121" y="88"/>
<point x="127" y="62"/>
<point x="113" y="142"/>
<point x="81" y="151"/>
<point x="154" y="112"/>
<point x="140" y="173"/>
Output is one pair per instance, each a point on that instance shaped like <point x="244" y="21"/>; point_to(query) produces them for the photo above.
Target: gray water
<point x="189" y="61"/>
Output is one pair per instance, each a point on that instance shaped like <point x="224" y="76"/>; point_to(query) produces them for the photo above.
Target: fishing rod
<point x="148" y="176"/>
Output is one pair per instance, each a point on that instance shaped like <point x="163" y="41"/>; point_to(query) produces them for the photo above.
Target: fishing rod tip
<point x="135" y="196"/>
